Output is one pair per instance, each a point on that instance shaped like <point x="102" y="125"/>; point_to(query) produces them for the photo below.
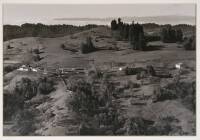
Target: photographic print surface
<point x="99" y="70"/>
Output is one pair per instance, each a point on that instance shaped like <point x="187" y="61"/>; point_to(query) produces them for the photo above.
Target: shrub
<point x="46" y="85"/>
<point x="88" y="46"/>
<point x="37" y="58"/>
<point x="62" y="46"/>
<point x="27" y="88"/>
<point x="190" y="43"/>
<point x="9" y="47"/>
<point x="151" y="71"/>
<point x="36" y="51"/>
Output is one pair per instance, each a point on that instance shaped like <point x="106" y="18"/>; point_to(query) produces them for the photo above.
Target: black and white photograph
<point x="99" y="69"/>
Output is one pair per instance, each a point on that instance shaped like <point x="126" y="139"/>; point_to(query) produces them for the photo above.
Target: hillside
<point x="51" y="112"/>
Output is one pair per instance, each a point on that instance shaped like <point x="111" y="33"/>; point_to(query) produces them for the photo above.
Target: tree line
<point x="41" y="30"/>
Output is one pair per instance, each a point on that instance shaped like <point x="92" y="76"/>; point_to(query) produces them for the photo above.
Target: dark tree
<point x="179" y="35"/>
<point x="120" y="24"/>
<point x="190" y="43"/>
<point x="164" y="35"/>
<point x="114" y="25"/>
<point x="88" y="46"/>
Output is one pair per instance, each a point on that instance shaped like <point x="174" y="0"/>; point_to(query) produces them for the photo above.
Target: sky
<point x="19" y="13"/>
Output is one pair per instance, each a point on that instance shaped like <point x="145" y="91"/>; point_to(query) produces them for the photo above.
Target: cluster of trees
<point x="88" y="46"/>
<point x="132" y="32"/>
<point x="170" y="35"/>
<point x="41" y="30"/>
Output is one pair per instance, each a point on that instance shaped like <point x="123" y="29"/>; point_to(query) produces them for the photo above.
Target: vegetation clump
<point x="36" y="58"/>
<point x="88" y="46"/>
<point x="24" y="90"/>
<point x="190" y="43"/>
<point x="27" y="88"/>
<point x="46" y="85"/>
<point x="36" y="51"/>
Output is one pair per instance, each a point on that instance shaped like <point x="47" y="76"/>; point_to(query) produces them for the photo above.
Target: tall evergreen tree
<point x="114" y="25"/>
